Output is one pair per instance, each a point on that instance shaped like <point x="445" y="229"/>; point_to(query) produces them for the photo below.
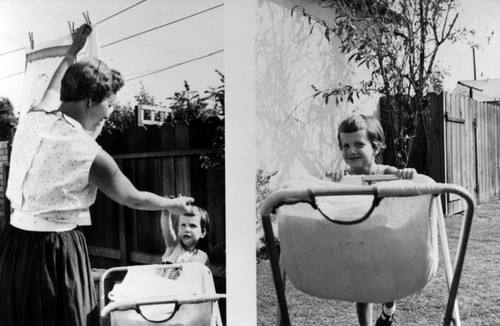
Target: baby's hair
<point x="204" y="218"/>
<point x="364" y="122"/>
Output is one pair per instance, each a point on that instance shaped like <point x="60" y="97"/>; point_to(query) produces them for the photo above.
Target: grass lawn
<point x="478" y="294"/>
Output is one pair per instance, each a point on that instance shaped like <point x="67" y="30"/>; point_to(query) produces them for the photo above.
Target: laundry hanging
<point x="42" y="60"/>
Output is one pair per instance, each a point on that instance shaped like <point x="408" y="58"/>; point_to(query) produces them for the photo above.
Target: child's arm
<point x="336" y="176"/>
<point x="406" y="173"/>
<point x="167" y="229"/>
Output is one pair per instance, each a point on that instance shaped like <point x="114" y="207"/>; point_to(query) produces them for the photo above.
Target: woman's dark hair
<point x="364" y="122"/>
<point x="90" y="78"/>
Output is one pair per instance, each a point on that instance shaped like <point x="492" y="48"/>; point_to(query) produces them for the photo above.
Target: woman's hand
<point x="407" y="173"/>
<point x="335" y="176"/>
<point x="180" y="205"/>
<point x="79" y="38"/>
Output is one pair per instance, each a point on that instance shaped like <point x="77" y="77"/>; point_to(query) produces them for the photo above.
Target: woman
<point x="56" y="167"/>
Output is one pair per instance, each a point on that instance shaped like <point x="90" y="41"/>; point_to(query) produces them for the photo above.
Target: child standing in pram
<point x="361" y="139"/>
<point x="182" y="236"/>
<point x="180" y="293"/>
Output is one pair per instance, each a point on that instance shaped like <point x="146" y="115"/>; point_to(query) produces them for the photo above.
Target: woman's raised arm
<point x="52" y="93"/>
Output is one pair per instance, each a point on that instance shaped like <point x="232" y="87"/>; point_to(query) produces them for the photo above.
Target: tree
<point x="398" y="40"/>
<point x="144" y="97"/>
<point x="122" y="118"/>
<point x="215" y="98"/>
<point x="187" y="105"/>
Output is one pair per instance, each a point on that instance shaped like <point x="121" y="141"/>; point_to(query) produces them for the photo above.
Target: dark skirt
<point x="45" y="279"/>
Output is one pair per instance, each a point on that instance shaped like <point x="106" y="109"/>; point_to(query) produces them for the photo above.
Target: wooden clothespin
<point x="86" y="16"/>
<point x="32" y="41"/>
<point x="71" y="27"/>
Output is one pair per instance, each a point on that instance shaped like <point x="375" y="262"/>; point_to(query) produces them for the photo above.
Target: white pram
<point x="177" y="294"/>
<point x="362" y="243"/>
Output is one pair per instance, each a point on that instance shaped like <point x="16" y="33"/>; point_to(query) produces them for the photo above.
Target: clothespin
<point x="71" y="27"/>
<point x="87" y="17"/>
<point x="32" y="41"/>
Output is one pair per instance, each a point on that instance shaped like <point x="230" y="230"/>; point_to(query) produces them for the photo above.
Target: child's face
<point x="358" y="151"/>
<point x="190" y="231"/>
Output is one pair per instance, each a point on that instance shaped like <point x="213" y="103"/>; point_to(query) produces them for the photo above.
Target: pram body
<point x="380" y="256"/>
<point x="176" y="294"/>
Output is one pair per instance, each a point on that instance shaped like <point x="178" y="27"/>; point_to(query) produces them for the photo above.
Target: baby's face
<point x="190" y="231"/>
<point x="357" y="150"/>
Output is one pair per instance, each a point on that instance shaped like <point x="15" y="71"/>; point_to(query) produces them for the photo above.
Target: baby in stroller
<point x="181" y="235"/>
<point x="179" y="294"/>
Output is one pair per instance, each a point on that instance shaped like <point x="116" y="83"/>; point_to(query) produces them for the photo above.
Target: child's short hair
<point x="364" y="122"/>
<point x="89" y="78"/>
<point x="204" y="218"/>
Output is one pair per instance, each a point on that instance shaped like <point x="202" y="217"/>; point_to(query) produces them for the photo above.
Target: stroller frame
<point x="135" y="304"/>
<point x="292" y="196"/>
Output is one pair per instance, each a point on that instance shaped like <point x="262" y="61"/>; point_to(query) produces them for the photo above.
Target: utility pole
<point x="474" y="60"/>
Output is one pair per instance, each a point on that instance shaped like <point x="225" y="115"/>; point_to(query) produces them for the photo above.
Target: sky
<point x="457" y="59"/>
<point x="183" y="39"/>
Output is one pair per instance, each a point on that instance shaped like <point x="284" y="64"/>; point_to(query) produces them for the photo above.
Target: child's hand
<point x="181" y="205"/>
<point x="407" y="173"/>
<point x="335" y="176"/>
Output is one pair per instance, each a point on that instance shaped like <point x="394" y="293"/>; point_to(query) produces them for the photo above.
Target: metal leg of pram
<point x="279" y="322"/>
<point x="448" y="268"/>
<point x="277" y="276"/>
<point x="462" y="246"/>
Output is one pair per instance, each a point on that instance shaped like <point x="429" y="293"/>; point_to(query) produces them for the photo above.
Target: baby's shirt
<point x="179" y="255"/>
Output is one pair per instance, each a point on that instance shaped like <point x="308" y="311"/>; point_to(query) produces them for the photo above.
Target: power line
<point x="62" y="17"/>
<point x="170" y="23"/>
<point x="131" y="36"/>
<point x="12" y="51"/>
<point x="149" y="73"/>
<point x="119" y="12"/>
<point x="17" y="73"/>
<point x="176" y="65"/>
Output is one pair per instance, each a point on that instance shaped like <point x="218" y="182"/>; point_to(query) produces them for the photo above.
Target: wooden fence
<point x="163" y="160"/>
<point x="464" y="141"/>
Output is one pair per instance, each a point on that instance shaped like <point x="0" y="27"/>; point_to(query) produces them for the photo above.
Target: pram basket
<point x="174" y="294"/>
<point x="396" y="225"/>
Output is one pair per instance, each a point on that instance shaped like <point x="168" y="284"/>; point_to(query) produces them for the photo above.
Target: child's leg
<point x="364" y="311"/>
<point x="387" y="314"/>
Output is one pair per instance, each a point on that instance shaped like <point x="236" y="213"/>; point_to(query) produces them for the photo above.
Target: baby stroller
<point x="174" y="294"/>
<point x="373" y="240"/>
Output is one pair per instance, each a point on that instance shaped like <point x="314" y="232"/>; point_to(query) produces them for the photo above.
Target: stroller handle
<point x="178" y="300"/>
<point x="297" y="195"/>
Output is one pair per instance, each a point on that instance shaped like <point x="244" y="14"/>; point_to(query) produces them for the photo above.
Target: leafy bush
<point x="122" y="118"/>
<point x="7" y="118"/>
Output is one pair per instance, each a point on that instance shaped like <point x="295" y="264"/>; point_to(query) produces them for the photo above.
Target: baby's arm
<point x="406" y="173"/>
<point x="336" y="176"/>
<point x="167" y="229"/>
